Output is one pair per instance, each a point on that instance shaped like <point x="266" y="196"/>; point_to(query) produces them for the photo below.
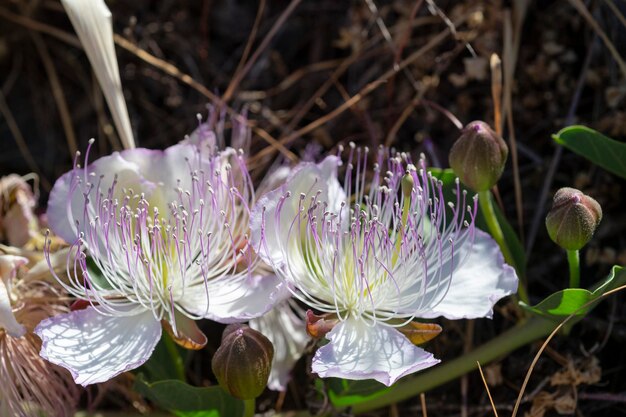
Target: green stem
<point x="573" y="259"/>
<point x="514" y="338"/>
<point x="486" y="207"/>
<point x="174" y="355"/>
<point x="249" y="406"/>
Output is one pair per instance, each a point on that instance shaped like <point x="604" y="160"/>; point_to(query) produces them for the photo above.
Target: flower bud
<point x="478" y="156"/>
<point x="243" y="361"/>
<point x="573" y="218"/>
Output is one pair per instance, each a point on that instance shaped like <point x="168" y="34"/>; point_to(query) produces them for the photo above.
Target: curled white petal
<point x="95" y="347"/>
<point x="360" y="351"/>
<point x="92" y="21"/>
<point x="478" y="283"/>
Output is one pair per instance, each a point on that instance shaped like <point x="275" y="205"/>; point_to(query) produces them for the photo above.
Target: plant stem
<point x="249" y="406"/>
<point x="174" y="356"/>
<point x="573" y="259"/>
<point x="485" y="202"/>
<point x="514" y="338"/>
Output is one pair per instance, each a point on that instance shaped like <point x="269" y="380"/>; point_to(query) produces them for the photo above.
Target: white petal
<point x="269" y="234"/>
<point x="359" y="351"/>
<point x="67" y="203"/>
<point x="96" y="348"/>
<point x="155" y="173"/>
<point x="92" y="21"/>
<point x="477" y="283"/>
<point x="231" y="301"/>
<point x="287" y="332"/>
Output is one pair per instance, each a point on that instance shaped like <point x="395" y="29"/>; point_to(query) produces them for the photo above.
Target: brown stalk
<point x="240" y="74"/>
<point x="21" y="143"/>
<point x="510" y="57"/>
<point x="436" y="40"/>
<point x="57" y="93"/>
<point x="582" y="9"/>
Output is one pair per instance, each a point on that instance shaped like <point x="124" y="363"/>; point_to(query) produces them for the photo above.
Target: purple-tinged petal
<point x="361" y="351"/>
<point x="477" y="283"/>
<point x="95" y="347"/>
<point x="66" y="205"/>
<point x="232" y="301"/>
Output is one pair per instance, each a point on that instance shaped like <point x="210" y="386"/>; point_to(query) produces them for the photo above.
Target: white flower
<point x="157" y="237"/>
<point x="377" y="252"/>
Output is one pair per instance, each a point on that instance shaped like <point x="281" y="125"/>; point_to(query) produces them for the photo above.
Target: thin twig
<point x="239" y="75"/>
<point x="57" y="93"/>
<point x="40" y="27"/>
<point x="436" y="40"/>
<point x="158" y="63"/>
<point x="423" y="402"/>
<point x="510" y="58"/>
<point x="482" y="376"/>
<point x="246" y="50"/>
<point x="21" y="143"/>
<point x="582" y="9"/>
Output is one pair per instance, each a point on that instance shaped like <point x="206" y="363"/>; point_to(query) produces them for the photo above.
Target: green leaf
<point x="96" y="276"/>
<point x="185" y="400"/>
<point x="571" y="300"/>
<point x="210" y="413"/>
<point x="448" y="178"/>
<point x="599" y="149"/>
<point x="343" y="392"/>
<point x="166" y="361"/>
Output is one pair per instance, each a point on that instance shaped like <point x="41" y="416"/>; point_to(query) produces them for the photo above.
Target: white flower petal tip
<point x="92" y="21"/>
<point x="95" y="347"/>
<point x="8" y="268"/>
<point x="286" y="329"/>
<point x="478" y="283"/>
<point x="360" y="351"/>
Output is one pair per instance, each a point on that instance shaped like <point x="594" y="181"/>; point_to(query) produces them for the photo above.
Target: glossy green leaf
<point x="599" y="149"/>
<point x="181" y="398"/>
<point x="343" y="392"/>
<point x="571" y="300"/>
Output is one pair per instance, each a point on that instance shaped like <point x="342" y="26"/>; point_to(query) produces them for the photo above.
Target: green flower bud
<point x="573" y="218"/>
<point x="243" y="361"/>
<point x="478" y="156"/>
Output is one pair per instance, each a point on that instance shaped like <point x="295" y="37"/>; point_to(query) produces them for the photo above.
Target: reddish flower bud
<point x="243" y="361"/>
<point x="573" y="218"/>
<point x="478" y="156"/>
